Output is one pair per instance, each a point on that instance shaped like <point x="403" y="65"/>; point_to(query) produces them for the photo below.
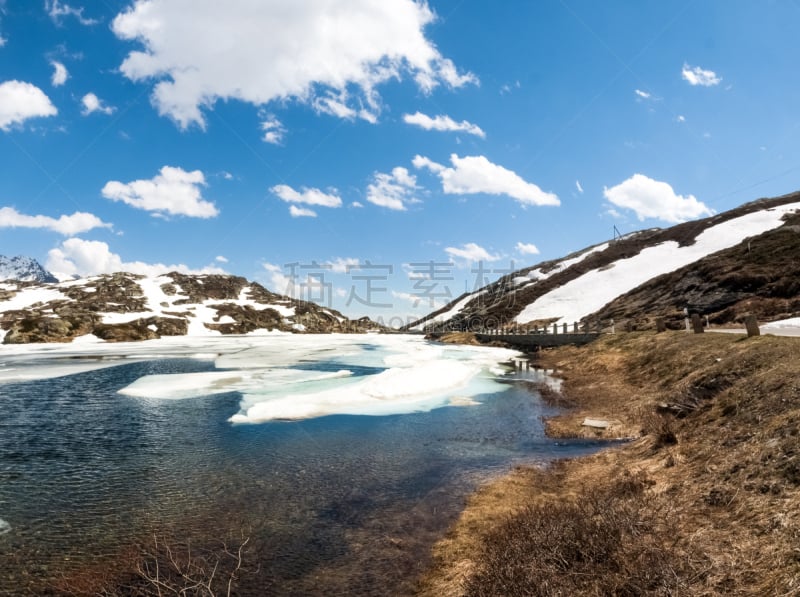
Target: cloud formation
<point x="443" y="123"/>
<point x="92" y="103"/>
<point x="57" y="11"/>
<point x="471" y="252"/>
<point x="393" y="191"/>
<point x="173" y="191"/>
<point x="78" y="257"/>
<point x="60" y="74"/>
<point x="67" y="225"/>
<point x="20" y="101"/>
<point x="527" y="248"/>
<point x="305" y="196"/>
<point x="649" y="198"/>
<point x="331" y="55"/>
<point x="476" y="174"/>
<point x="273" y="130"/>
<point x="694" y="75"/>
<point x="301" y="212"/>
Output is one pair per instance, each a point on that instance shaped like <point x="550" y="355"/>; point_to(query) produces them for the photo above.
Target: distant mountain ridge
<point x="24" y="269"/>
<point x="129" y="307"/>
<point x="746" y="260"/>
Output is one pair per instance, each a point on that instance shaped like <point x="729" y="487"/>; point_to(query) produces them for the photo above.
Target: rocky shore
<point x="705" y="500"/>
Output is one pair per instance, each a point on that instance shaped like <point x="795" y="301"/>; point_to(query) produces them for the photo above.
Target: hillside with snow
<point x="746" y="260"/>
<point x="125" y="307"/>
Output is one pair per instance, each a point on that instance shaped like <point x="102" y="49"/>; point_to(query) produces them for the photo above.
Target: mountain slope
<point x="24" y="269"/>
<point x="124" y="306"/>
<point x="656" y="272"/>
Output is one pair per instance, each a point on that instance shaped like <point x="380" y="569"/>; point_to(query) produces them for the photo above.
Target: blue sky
<point x="394" y="151"/>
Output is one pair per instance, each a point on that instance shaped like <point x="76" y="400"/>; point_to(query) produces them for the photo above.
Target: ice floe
<point x="286" y="376"/>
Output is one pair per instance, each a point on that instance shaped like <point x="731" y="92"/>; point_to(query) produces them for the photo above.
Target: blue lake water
<point x="337" y="505"/>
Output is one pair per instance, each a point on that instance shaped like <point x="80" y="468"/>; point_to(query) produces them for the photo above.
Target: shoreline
<point x="718" y="521"/>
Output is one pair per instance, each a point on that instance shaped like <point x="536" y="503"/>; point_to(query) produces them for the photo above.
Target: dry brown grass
<point x="718" y="506"/>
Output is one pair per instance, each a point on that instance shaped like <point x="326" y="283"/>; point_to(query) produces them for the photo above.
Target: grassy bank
<point x="706" y="500"/>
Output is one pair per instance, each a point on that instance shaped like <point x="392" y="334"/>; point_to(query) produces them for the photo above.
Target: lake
<point x="332" y="503"/>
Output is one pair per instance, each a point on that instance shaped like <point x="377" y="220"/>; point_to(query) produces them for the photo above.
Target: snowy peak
<point x="126" y="307"/>
<point x="643" y="275"/>
<point x="24" y="269"/>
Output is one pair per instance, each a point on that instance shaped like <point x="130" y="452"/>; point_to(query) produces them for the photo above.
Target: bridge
<point x="536" y="337"/>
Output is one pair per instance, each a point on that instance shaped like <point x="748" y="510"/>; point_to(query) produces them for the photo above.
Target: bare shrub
<point x="660" y="425"/>
<point x="165" y="567"/>
<point x="609" y="541"/>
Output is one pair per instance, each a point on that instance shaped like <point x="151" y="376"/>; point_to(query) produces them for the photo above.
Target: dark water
<point x="340" y="505"/>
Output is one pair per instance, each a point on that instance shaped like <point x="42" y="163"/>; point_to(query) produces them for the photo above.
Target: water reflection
<point x="344" y="505"/>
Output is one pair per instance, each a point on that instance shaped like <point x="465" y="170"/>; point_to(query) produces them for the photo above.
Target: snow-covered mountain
<point x="746" y="260"/>
<point x="24" y="269"/>
<point x="124" y="306"/>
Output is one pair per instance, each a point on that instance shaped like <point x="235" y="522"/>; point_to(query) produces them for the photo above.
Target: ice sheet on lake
<point x="287" y="376"/>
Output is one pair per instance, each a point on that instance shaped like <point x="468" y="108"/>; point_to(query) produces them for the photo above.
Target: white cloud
<point x="471" y="252"/>
<point x="443" y="123"/>
<point x="421" y="299"/>
<point x="393" y="191"/>
<point x="58" y="10"/>
<point x="356" y="204"/>
<point x="60" y="74"/>
<point x="301" y="212"/>
<point x="650" y="198"/>
<point x="507" y="88"/>
<point x="307" y="196"/>
<point x="342" y="265"/>
<point x="578" y="186"/>
<point x="642" y="94"/>
<point x="681" y="118"/>
<point x="280" y="282"/>
<point x="331" y="55"/>
<point x="273" y="130"/>
<point x="92" y="103"/>
<point x="67" y="225"/>
<point x="81" y="257"/>
<point x="173" y="191"/>
<point x="20" y="101"/>
<point x="476" y="174"/>
<point x="221" y="259"/>
<point x="695" y="75"/>
<point x="527" y="248"/>
<point x="3" y="41"/>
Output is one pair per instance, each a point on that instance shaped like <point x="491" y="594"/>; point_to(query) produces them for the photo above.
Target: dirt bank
<point x="706" y="500"/>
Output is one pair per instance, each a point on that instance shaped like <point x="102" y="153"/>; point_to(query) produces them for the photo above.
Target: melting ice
<point x="287" y="376"/>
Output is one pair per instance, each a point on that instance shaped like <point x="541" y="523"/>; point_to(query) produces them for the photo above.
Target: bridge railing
<point x="596" y="327"/>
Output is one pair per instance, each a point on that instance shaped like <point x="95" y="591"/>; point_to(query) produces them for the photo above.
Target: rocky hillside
<point x="24" y="269"/>
<point x="126" y="307"/>
<point x="742" y="261"/>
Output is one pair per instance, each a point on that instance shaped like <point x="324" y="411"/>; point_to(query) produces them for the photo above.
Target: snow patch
<point x="30" y="296"/>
